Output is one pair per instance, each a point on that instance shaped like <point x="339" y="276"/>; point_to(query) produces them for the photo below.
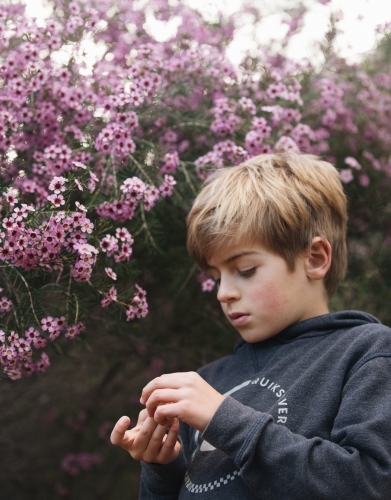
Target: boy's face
<point x="258" y="292"/>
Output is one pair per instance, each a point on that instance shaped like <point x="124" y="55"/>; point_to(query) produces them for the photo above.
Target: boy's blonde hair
<point x="280" y="200"/>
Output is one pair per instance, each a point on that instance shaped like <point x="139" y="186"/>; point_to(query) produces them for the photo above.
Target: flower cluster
<point x="139" y="308"/>
<point x="74" y="463"/>
<point x="88" y="151"/>
<point x="63" y="236"/>
<point x="16" y="351"/>
<point x="224" y="152"/>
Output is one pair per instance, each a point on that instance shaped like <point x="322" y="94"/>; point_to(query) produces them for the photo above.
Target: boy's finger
<point x="148" y="441"/>
<point x="161" y="397"/>
<point x="172" y="435"/>
<point x="118" y="432"/>
<point x="144" y="434"/>
<point x="169" y="380"/>
<point x="143" y="415"/>
<point x="155" y="443"/>
<point x="166" y="452"/>
<point x="167" y="412"/>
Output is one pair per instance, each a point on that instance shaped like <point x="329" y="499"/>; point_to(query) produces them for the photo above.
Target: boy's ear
<point x="318" y="258"/>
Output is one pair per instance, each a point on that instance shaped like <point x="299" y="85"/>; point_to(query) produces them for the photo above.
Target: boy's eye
<point x="247" y="273"/>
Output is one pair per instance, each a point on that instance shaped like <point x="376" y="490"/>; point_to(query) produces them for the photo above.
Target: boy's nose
<point x="227" y="291"/>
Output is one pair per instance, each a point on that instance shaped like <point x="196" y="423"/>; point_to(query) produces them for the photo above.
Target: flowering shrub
<point x="89" y="150"/>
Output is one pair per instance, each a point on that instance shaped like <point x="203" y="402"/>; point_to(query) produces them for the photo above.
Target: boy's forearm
<point x="276" y="463"/>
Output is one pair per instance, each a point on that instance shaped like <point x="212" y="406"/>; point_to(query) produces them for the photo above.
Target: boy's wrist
<point x="212" y="408"/>
<point x="225" y="428"/>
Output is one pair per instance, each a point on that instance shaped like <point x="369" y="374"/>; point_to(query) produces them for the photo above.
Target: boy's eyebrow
<point x="234" y="257"/>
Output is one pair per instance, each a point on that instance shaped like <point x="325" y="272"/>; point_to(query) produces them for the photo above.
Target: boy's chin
<point x="252" y="336"/>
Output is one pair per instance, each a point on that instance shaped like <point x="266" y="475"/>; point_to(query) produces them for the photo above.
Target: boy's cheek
<point x="269" y="299"/>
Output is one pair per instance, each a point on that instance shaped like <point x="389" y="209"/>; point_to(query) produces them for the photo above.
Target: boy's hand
<point x="148" y="441"/>
<point x="183" y="395"/>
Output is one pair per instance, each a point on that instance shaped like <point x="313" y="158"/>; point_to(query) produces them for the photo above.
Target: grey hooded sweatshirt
<point x="307" y="415"/>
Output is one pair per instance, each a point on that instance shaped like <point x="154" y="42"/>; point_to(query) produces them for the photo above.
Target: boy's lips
<point x="238" y="318"/>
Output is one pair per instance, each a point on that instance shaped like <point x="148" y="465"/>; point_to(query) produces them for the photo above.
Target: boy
<point x="302" y="410"/>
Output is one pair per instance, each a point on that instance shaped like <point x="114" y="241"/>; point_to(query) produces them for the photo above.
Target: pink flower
<point x="56" y="199"/>
<point x="9" y="352"/>
<point x="352" y="162"/>
<point x="74" y="330"/>
<point x="11" y="196"/>
<point x="87" y="226"/>
<point x="346" y="175"/>
<point x="139" y="308"/>
<point x="43" y="364"/>
<point x="5" y="305"/>
<point x="13" y="337"/>
<point x="8" y="222"/>
<point x="364" y="180"/>
<point x="110" y="273"/>
<point x="253" y="141"/>
<point x="277" y="90"/>
<point x="47" y="324"/>
<point x="208" y="285"/>
<point x="170" y="163"/>
<point x="150" y="197"/>
<point x="81" y="207"/>
<point x="85" y="249"/>
<point x="23" y="347"/>
<point x="109" y="244"/>
<point x="39" y="343"/>
<point x="170" y="136"/>
<point x="110" y="297"/>
<point x="54" y="333"/>
<point x="31" y="334"/>
<point x="58" y="184"/>
<point x="286" y="144"/>
<point x="78" y="164"/>
<point x="166" y="189"/>
<point x="133" y="185"/>
<point x="123" y="234"/>
<point x="248" y="105"/>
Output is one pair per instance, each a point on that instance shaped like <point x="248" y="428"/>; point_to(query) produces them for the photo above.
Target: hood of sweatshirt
<point x="319" y="325"/>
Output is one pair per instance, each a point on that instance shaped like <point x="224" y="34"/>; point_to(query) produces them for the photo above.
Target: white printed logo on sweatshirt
<point x="282" y="417"/>
<point x="282" y="412"/>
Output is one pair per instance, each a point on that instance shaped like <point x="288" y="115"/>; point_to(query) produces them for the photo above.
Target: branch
<point x="139" y="166"/>
<point x="184" y="170"/>
<point x="187" y="279"/>
<point x="145" y="226"/>
<point x="31" y="298"/>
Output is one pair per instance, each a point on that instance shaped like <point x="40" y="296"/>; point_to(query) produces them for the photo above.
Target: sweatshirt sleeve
<point x="355" y="462"/>
<point x="162" y="482"/>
